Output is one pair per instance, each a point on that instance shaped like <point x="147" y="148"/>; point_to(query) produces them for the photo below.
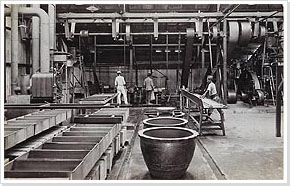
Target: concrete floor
<point x="249" y="151"/>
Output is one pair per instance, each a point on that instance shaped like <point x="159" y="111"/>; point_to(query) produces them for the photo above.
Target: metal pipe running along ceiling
<point x="163" y="15"/>
<point x="44" y="34"/>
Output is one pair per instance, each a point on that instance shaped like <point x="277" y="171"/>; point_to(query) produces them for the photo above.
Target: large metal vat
<point x="167" y="151"/>
<point x="164" y="112"/>
<point x="155" y="114"/>
<point x="165" y="122"/>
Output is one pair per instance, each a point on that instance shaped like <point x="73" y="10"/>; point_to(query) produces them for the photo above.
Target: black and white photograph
<point x="172" y="92"/>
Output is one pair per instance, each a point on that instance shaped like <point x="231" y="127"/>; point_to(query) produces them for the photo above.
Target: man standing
<point x="120" y="86"/>
<point x="148" y="84"/>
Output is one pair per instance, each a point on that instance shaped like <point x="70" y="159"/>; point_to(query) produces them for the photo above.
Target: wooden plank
<point x="122" y="141"/>
<point x="100" y="115"/>
<point x="62" y="114"/>
<point x="90" y="129"/>
<point x="209" y="103"/>
<point x="105" y="120"/>
<point x="37" y="128"/>
<point x="103" y="167"/>
<point x="33" y="174"/>
<point x="109" y="154"/>
<point x="15" y="153"/>
<point x="89" y="161"/>
<point x="123" y="136"/>
<point x="50" y="119"/>
<point x="93" y="125"/>
<point x="46" y="165"/>
<point x="117" y="145"/>
<point x="42" y="124"/>
<point x="57" y="154"/>
<point x="14" y="138"/>
<point x="56" y="118"/>
<point x="115" y="111"/>
<point x="85" y="133"/>
<point x="68" y="145"/>
<point x="94" y="173"/>
<point x="29" y="129"/>
<point x="76" y="139"/>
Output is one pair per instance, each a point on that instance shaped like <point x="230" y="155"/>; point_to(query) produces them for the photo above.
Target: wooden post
<point x="130" y="66"/>
<point x="150" y="54"/>
<point x="225" y="56"/>
<point x="278" y="100"/>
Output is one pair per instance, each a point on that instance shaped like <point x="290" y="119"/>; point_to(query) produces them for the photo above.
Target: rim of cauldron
<point x="166" y="108"/>
<point x="193" y="135"/>
<point x="145" y="121"/>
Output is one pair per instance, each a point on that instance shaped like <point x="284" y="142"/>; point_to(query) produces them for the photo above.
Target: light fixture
<point x="167" y="51"/>
<point x="158" y="51"/>
<point x="92" y="8"/>
<point x="177" y="51"/>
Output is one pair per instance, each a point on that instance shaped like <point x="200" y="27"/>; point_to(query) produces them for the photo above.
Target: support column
<point x="5" y="60"/>
<point x="225" y="57"/>
<point x="35" y="42"/>
<point x="150" y="60"/>
<point x="278" y="100"/>
<point x="14" y="48"/>
<point x="131" y="65"/>
<point x="52" y="19"/>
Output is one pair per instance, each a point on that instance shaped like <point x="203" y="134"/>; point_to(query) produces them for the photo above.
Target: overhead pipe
<point x="35" y="42"/>
<point x="44" y="34"/>
<point x="52" y="16"/>
<point x="171" y="15"/>
<point x="14" y="48"/>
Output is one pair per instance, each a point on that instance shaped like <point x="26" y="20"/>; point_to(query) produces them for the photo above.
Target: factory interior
<point x="143" y="92"/>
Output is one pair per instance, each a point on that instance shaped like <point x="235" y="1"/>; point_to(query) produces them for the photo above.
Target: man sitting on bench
<point x="210" y="92"/>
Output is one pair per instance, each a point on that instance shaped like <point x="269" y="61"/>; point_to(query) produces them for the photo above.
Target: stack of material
<point x="98" y="99"/>
<point x="19" y="129"/>
<point x="71" y="155"/>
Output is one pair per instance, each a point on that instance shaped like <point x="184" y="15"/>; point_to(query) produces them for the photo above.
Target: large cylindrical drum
<point x="165" y="122"/>
<point x="167" y="151"/>
<point x="175" y="114"/>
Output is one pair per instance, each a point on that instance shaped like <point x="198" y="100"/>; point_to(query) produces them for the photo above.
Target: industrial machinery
<point x="222" y="40"/>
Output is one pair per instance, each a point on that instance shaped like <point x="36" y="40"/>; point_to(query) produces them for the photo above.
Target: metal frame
<point x="212" y="18"/>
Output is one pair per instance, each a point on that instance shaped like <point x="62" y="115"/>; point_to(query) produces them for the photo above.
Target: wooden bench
<point x="199" y="112"/>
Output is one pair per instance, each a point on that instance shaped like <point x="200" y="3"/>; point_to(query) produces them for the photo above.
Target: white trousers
<point x="121" y="90"/>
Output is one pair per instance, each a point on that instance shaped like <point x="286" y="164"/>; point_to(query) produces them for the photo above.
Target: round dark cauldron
<point x="165" y="122"/>
<point x="167" y="151"/>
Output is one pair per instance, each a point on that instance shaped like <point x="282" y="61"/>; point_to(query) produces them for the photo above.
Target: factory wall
<point x="106" y="75"/>
<point x="22" y="58"/>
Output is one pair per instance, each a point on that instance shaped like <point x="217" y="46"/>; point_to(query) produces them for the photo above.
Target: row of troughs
<point x="84" y="150"/>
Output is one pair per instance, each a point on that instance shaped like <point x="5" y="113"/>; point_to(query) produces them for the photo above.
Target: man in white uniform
<point x="120" y="86"/>
<point x="210" y="92"/>
<point x="148" y="84"/>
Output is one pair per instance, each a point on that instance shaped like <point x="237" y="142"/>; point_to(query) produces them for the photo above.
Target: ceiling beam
<point x="127" y="15"/>
<point x="139" y="20"/>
